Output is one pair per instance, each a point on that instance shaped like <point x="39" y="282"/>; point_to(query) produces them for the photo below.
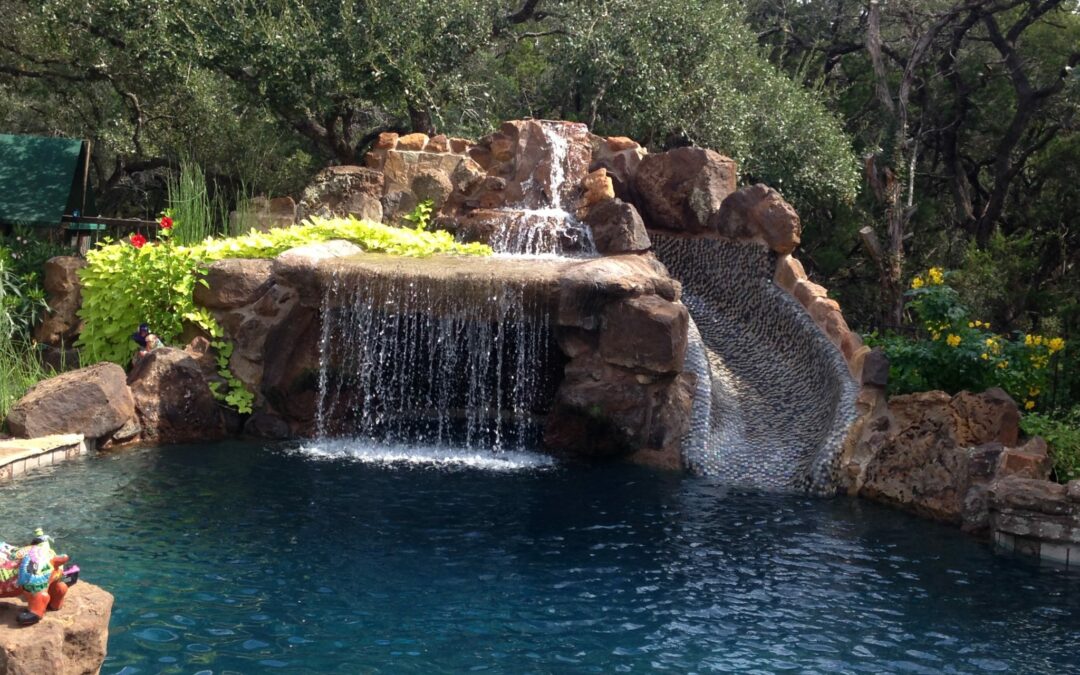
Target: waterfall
<point x="407" y="361"/>
<point x="549" y="229"/>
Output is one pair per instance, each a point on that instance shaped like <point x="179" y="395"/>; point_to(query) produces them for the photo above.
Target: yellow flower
<point x="1038" y="340"/>
<point x="935" y="276"/>
<point x="1028" y="340"/>
<point x="1056" y="345"/>
<point x="953" y="340"/>
<point x="935" y="336"/>
<point x="1029" y="404"/>
<point x="1002" y="365"/>
<point x="971" y="324"/>
<point x="917" y="282"/>
<point x="1034" y="391"/>
<point x="985" y="356"/>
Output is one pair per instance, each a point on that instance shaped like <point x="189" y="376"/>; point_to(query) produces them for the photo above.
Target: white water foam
<point x="365" y="451"/>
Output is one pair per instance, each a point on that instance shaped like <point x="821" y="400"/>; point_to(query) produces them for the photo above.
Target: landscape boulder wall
<point x="1037" y="518"/>
<point x="70" y="641"/>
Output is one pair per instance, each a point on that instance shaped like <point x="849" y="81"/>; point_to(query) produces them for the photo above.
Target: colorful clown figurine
<point x="36" y="573"/>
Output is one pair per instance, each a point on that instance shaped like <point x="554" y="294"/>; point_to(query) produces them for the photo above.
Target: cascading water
<point x="550" y="229"/>
<point x="404" y="361"/>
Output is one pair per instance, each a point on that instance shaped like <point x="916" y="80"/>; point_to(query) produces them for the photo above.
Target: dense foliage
<point x="266" y="93"/>
<point x="20" y="367"/>
<point x="954" y="351"/>
<point x="1062" y="433"/>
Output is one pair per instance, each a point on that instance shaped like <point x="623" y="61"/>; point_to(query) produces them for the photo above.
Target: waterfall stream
<point x="402" y="361"/>
<point x="550" y="229"/>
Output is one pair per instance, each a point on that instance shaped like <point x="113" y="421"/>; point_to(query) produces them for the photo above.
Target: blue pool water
<point x="237" y="558"/>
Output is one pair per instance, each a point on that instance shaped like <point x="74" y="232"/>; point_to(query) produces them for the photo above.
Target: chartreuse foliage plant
<point x="130" y="282"/>
<point x="1062" y="433"/>
<point x="951" y="350"/>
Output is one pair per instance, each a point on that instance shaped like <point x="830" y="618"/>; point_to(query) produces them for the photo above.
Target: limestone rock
<point x="343" y="191"/>
<point x="70" y="641"/>
<point x="586" y="287"/>
<point x="936" y="454"/>
<point x="233" y="282"/>
<point x="93" y="401"/>
<point x="1032" y="460"/>
<point x="173" y="398"/>
<point x="291" y="367"/>
<point x="645" y="333"/>
<point x="982" y="418"/>
<point x="415" y="141"/>
<point x="682" y="189"/>
<point x="789" y="271"/>
<point x="433" y="186"/>
<point x="621" y="157"/>
<point x="875" y="369"/>
<point x="61" y="325"/>
<point x="617" y="227"/>
<point x="1037" y="512"/>
<point x="263" y="424"/>
<point x="758" y="213"/>
<point x="598" y="187"/>
<point x="520" y="153"/>
<point x="603" y="411"/>
<point x="298" y="267"/>
<point x="264" y="214"/>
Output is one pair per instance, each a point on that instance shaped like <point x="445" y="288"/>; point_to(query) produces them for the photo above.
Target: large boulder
<point x="70" y="641"/>
<point x="61" y="324"/>
<point x="93" y="401"/>
<point x="620" y="157"/>
<point x="343" y="191"/>
<point x="174" y="400"/>
<point x="585" y="288"/>
<point x="604" y="411"/>
<point x="680" y="190"/>
<point x="758" y="213"/>
<point x="233" y="282"/>
<point x="936" y="454"/>
<point x="617" y="227"/>
<point x="646" y="334"/>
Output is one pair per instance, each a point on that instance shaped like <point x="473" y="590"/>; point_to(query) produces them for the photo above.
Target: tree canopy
<point x="268" y="92"/>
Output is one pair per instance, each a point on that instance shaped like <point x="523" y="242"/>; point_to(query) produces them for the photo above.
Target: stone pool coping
<point x="18" y="455"/>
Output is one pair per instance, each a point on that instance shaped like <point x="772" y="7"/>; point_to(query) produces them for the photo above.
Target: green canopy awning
<point x="41" y="179"/>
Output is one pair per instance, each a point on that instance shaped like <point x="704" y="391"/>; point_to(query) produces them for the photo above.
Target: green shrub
<point x="20" y="367"/>
<point x="128" y="283"/>
<point x="22" y="257"/>
<point x="952" y="351"/>
<point x="1063" y="435"/>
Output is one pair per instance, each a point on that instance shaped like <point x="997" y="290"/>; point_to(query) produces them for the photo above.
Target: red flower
<point x="166" y="223"/>
<point x="138" y="241"/>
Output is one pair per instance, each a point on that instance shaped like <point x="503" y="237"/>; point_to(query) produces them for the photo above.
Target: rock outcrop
<point x="93" y="401"/>
<point x="70" y="641"/>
